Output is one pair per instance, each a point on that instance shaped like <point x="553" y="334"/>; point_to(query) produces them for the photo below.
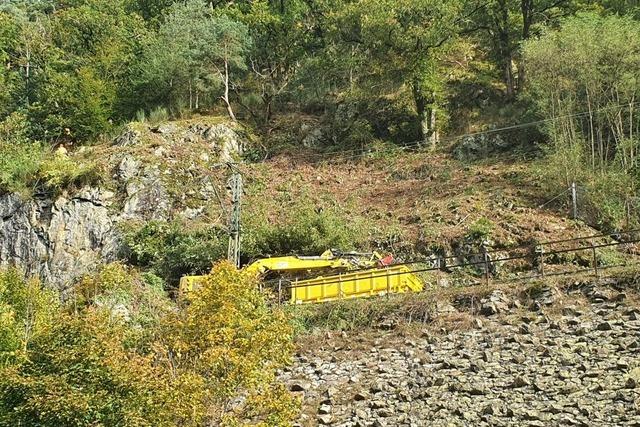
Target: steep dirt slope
<point x="423" y="200"/>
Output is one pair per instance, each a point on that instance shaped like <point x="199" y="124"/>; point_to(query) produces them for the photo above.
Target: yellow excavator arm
<point x="298" y="263"/>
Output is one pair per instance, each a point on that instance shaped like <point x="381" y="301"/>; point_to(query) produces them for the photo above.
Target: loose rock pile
<point x="576" y="365"/>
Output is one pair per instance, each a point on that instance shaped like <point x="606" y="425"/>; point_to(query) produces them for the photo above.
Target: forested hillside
<point x="329" y="75"/>
<point x="431" y="129"/>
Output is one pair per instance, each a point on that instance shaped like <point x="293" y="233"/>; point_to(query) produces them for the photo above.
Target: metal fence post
<point x="485" y="255"/>
<point x="540" y="251"/>
<point x="595" y="259"/>
<point x="280" y="291"/>
<point x="574" y="200"/>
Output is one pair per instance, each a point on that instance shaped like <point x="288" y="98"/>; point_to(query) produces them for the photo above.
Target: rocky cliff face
<point x="151" y="173"/>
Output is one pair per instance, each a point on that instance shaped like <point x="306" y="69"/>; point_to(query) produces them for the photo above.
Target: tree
<point x="82" y="373"/>
<point x="282" y="39"/>
<point x="9" y="77"/>
<point x="150" y="10"/>
<point x="507" y="23"/>
<point x="226" y="346"/>
<point x="99" y="40"/>
<point x="206" y="49"/>
<point x="586" y="81"/>
<point x="587" y="66"/>
<point x="77" y="366"/>
<point x="405" y="39"/>
<point x="26" y="311"/>
<point x="69" y="68"/>
<point x="121" y="355"/>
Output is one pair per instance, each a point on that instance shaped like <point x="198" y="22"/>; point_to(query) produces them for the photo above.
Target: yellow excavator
<point x="349" y="275"/>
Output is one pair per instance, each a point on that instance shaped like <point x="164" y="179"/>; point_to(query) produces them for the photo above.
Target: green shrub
<point x="304" y="230"/>
<point x="78" y="366"/>
<point x="74" y="105"/>
<point x="603" y="193"/>
<point x="138" y="299"/>
<point x="59" y="171"/>
<point x="481" y="229"/>
<point x="158" y="115"/>
<point x="141" y="116"/>
<point x="26" y="311"/>
<point x="603" y="201"/>
<point x="82" y="372"/>
<point x="361" y="119"/>
<point x="226" y="346"/>
<point x="609" y="257"/>
<point x="19" y="158"/>
<point x="27" y="164"/>
<point x="171" y="250"/>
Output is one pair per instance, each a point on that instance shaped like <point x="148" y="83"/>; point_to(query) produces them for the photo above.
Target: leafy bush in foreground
<point x="210" y="362"/>
<point x="224" y="348"/>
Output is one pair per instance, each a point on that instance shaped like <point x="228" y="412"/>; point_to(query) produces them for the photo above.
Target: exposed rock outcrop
<point x="64" y="236"/>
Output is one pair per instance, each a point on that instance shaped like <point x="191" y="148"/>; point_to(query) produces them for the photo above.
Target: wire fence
<point x="544" y="259"/>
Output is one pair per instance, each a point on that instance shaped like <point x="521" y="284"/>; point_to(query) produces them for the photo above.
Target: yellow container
<point x="380" y="281"/>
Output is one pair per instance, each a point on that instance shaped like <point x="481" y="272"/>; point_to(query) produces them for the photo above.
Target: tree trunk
<point x="28" y="78"/>
<point x="506" y="51"/>
<point x="501" y="38"/>
<point x="427" y="115"/>
<point x="508" y="76"/>
<point x="267" y="110"/>
<point x="526" y="8"/>
<point x="225" y="97"/>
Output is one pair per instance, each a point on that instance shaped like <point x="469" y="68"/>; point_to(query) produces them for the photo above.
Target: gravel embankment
<point x="571" y="365"/>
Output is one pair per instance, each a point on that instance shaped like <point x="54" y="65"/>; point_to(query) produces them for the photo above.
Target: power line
<point x="418" y="143"/>
<point x="469" y="264"/>
<point x="629" y="233"/>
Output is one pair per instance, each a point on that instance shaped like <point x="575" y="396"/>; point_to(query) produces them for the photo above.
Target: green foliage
<point x="79" y="366"/>
<point x="81" y="373"/>
<point x="228" y="343"/>
<point x="158" y="115"/>
<point x="72" y="106"/>
<point x="9" y="36"/>
<point x="139" y="300"/>
<point x="302" y="230"/>
<point x="58" y="171"/>
<point x="19" y="158"/>
<point x="69" y="68"/>
<point x="26" y="311"/>
<point x="203" y="46"/>
<point x="172" y="250"/>
<point x="281" y="43"/>
<point x="26" y="165"/>
<point x="587" y="66"/>
<point x="481" y="229"/>
<point x="609" y="199"/>
<point x="79" y="67"/>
